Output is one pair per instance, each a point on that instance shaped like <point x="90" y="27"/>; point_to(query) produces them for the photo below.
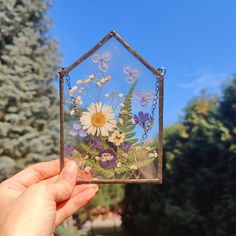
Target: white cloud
<point x="204" y="80"/>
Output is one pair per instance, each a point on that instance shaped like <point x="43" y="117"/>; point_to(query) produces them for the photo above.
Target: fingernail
<point x="94" y="187"/>
<point x="92" y="191"/>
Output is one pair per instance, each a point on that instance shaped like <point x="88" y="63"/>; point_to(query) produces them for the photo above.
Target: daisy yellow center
<point x="98" y="119"/>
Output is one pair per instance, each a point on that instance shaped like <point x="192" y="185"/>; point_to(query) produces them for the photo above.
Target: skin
<point x="36" y="200"/>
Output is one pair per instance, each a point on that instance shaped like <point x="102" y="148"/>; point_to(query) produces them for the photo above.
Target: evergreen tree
<point x="29" y="122"/>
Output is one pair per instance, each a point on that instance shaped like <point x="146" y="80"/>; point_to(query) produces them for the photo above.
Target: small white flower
<point x="152" y="154"/>
<point x="78" y="101"/>
<point x="81" y="90"/>
<point x="87" y="169"/>
<point x="79" y="82"/>
<point x="98" y="84"/>
<point x="108" y="77"/>
<point x="121" y="120"/>
<point x="133" y="167"/>
<point x="91" y="77"/>
<point x="121" y="105"/>
<point x="118" y="164"/>
<point x="132" y="122"/>
<point x="72" y="93"/>
<point x="97" y="158"/>
<point x="107" y="95"/>
<point x="72" y="112"/>
<point x="121" y="95"/>
<point x="103" y="80"/>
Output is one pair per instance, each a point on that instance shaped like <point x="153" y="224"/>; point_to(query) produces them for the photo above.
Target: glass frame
<point x="158" y="73"/>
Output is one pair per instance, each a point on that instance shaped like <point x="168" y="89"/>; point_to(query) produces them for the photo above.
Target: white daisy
<point x="98" y="120"/>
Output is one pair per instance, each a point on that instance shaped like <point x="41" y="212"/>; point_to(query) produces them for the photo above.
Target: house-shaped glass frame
<point x="158" y="74"/>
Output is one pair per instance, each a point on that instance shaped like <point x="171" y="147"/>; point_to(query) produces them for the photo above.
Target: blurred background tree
<point x="199" y="190"/>
<point x="29" y="124"/>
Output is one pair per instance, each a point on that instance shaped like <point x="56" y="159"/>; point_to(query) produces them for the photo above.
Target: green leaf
<point x="129" y="135"/>
<point x="84" y="147"/>
<point x="132" y="141"/>
<point x="125" y="115"/>
<point x="122" y="169"/>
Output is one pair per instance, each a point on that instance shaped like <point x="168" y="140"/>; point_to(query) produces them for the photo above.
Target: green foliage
<point x="66" y="229"/>
<point x="125" y="116"/>
<point x="198" y="196"/>
<point x="29" y="119"/>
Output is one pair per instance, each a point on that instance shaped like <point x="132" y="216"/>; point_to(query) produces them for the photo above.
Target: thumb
<point x="64" y="186"/>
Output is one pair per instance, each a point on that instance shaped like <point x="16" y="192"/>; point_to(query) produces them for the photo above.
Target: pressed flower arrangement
<point x="111" y="114"/>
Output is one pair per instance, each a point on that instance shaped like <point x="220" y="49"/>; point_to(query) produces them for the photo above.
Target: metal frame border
<point x="157" y="73"/>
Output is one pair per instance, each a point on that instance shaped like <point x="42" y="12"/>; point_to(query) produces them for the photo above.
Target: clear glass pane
<point x="108" y="110"/>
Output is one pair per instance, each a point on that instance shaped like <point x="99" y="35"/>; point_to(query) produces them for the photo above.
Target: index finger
<point x="35" y="173"/>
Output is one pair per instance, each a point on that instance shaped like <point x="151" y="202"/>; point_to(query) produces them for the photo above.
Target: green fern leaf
<point x="132" y="141"/>
<point x="125" y="115"/>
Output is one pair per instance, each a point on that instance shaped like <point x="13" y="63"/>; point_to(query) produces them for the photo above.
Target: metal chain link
<point x="72" y="98"/>
<point x="153" y="108"/>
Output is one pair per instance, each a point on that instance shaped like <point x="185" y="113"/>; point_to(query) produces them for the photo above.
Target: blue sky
<point x="194" y="40"/>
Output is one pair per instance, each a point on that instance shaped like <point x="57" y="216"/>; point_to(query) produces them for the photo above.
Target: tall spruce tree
<point x="28" y="100"/>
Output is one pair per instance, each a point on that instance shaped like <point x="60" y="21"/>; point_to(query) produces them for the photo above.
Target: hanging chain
<point x="162" y="70"/>
<point x="72" y="98"/>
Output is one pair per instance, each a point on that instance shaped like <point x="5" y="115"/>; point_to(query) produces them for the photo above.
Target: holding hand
<point x="36" y="200"/>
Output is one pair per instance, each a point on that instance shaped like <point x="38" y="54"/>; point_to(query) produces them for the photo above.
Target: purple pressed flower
<point x="68" y="150"/>
<point x="76" y="129"/>
<point x="144" y="97"/>
<point x="125" y="146"/>
<point x="95" y="143"/>
<point x="107" y="159"/>
<point x="142" y="119"/>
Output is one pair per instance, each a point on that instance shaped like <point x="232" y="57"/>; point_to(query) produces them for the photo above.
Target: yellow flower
<point x="117" y="137"/>
<point x="98" y="120"/>
<point x="133" y="167"/>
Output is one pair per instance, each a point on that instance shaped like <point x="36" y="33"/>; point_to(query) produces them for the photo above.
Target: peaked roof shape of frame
<point x="110" y="35"/>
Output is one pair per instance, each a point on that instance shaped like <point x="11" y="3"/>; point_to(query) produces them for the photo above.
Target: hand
<point x="36" y="200"/>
